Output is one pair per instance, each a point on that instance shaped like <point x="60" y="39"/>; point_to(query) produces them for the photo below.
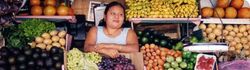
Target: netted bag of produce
<point x="235" y="65"/>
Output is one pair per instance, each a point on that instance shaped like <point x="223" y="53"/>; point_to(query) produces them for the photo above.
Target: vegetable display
<point x="32" y="28"/>
<point x="75" y="59"/>
<point x="26" y="58"/>
<point x="47" y="40"/>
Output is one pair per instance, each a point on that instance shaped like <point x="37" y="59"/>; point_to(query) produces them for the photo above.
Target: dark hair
<point x="108" y="6"/>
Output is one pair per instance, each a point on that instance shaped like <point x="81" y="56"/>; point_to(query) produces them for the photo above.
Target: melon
<point x="230" y="12"/>
<point x="237" y="3"/>
<point x="222" y="3"/>
<point x="207" y="12"/>
<point x="219" y="12"/>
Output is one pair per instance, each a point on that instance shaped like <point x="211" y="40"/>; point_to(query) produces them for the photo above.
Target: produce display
<point x="27" y="58"/>
<point x="50" y="8"/>
<point x="119" y="63"/>
<point x="227" y="9"/>
<point x="237" y="36"/>
<point x="149" y="35"/>
<point x="161" y="8"/>
<point x="205" y="62"/>
<point x="75" y="60"/>
<point x="52" y="38"/>
<point x="20" y="35"/>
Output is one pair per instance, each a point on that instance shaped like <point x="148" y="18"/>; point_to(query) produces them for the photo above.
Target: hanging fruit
<point x="36" y="10"/>
<point x="34" y="2"/>
<point x="50" y="2"/>
<point x="49" y="10"/>
<point x="62" y="10"/>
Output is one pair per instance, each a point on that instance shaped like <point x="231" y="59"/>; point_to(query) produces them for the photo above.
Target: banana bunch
<point x="185" y="11"/>
<point x="137" y="8"/>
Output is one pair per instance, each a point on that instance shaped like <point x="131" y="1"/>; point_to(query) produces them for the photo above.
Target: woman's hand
<point x="110" y="52"/>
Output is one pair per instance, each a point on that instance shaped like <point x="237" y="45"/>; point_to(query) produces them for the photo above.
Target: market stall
<point x="172" y="35"/>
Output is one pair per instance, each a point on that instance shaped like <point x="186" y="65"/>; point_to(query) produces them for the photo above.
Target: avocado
<point x="49" y="62"/>
<point x="21" y="59"/>
<point x="39" y="63"/>
<point x="13" y="67"/>
<point x="139" y="33"/>
<point x="163" y="43"/>
<point x="156" y="41"/>
<point x="56" y="58"/>
<point x="12" y="60"/>
<point x="58" y="65"/>
<point x="4" y="52"/>
<point x="54" y="50"/>
<point x="144" y="40"/>
<point x="37" y="50"/>
<point x="3" y="62"/>
<point x="22" y="67"/>
<point x="31" y="63"/>
<point x="14" y="51"/>
<point x="44" y="55"/>
<point x="36" y="55"/>
<point x="28" y="52"/>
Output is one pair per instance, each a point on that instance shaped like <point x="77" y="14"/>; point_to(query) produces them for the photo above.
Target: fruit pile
<point x="237" y="36"/>
<point x="175" y="63"/>
<point x="27" y="58"/>
<point x="161" y="8"/>
<point x="50" y="8"/>
<point x="52" y="38"/>
<point x="119" y="63"/>
<point x="227" y="9"/>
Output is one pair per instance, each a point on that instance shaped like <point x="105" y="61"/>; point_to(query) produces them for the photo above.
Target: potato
<point x="217" y="32"/>
<point x="53" y="33"/>
<point x="244" y="40"/>
<point x="55" y="38"/>
<point x="245" y="34"/>
<point x="211" y="36"/>
<point x="202" y="26"/>
<point x="238" y="51"/>
<point x="239" y="34"/>
<point x="39" y="39"/>
<point x="62" y="34"/>
<point x="225" y="32"/>
<point x="209" y="30"/>
<point x="238" y="46"/>
<point x="246" y="52"/>
<point x="62" y="41"/>
<point x="237" y="39"/>
<point x="232" y="43"/>
<point x="232" y="33"/>
<point x="248" y="38"/>
<point x="219" y="26"/>
<point x="46" y="35"/>
<point x="242" y="28"/>
<point x="213" y="41"/>
<point x="47" y="41"/>
<point x="56" y="44"/>
<point x="245" y="46"/>
<point x="48" y="47"/>
<point x="218" y="38"/>
<point x="236" y="28"/>
<point x="248" y="27"/>
<point x="229" y="38"/>
<point x="204" y="34"/>
<point x="41" y="45"/>
<point x="232" y="49"/>
<point x="212" y="25"/>
<point x="206" y="39"/>
<point x="229" y="27"/>
<point x="32" y="44"/>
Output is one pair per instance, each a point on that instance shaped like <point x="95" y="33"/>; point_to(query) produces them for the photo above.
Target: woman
<point x="112" y="38"/>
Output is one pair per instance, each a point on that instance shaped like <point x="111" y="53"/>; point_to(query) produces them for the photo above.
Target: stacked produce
<point x="27" y="58"/>
<point x="77" y="60"/>
<point x="119" y="63"/>
<point x="50" y="8"/>
<point x="47" y="40"/>
<point x="174" y="63"/>
<point x="149" y="35"/>
<point x="19" y="36"/>
<point x="161" y="8"/>
<point x="227" y="9"/>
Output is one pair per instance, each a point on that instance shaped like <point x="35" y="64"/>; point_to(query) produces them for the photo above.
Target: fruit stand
<point x="172" y="35"/>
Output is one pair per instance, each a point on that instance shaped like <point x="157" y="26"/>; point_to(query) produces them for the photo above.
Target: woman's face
<point x="114" y="17"/>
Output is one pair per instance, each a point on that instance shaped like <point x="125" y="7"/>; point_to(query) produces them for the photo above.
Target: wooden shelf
<point x="165" y="20"/>
<point x="50" y="18"/>
<point x="226" y="21"/>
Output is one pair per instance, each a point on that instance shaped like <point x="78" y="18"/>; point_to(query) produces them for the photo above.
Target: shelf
<point x="50" y="18"/>
<point x="165" y="20"/>
<point x="226" y="21"/>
